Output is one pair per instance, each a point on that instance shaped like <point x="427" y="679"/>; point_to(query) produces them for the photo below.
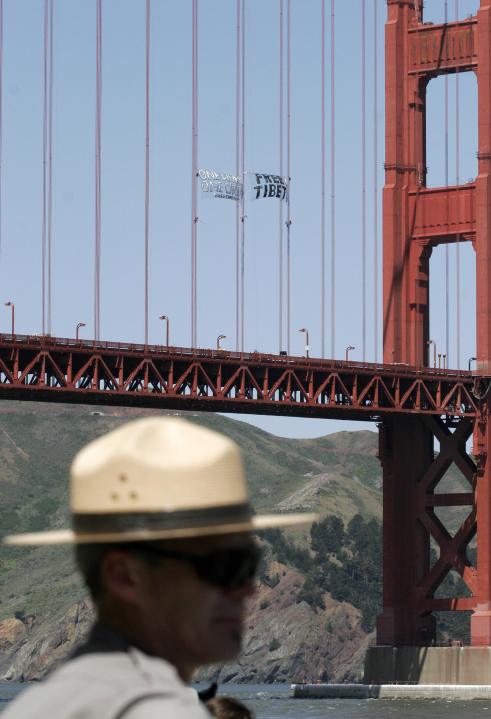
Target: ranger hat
<point x="158" y="478"/>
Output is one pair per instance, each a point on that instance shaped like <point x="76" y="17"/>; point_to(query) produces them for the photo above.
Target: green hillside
<point x="338" y="474"/>
<point x="314" y="581"/>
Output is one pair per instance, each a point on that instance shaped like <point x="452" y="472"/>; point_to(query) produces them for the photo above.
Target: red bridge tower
<point x="416" y="219"/>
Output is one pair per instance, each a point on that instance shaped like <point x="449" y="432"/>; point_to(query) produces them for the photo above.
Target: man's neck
<point x="114" y="631"/>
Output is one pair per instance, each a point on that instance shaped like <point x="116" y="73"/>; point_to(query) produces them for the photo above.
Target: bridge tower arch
<point x="416" y="219"/>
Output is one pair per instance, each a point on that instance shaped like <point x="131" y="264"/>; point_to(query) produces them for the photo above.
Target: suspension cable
<point x="447" y="249"/>
<point x="194" y="170"/>
<point x="323" y="177"/>
<point x="97" y="263"/>
<point x="47" y="168"/>
<point x="45" y="153"/>
<point x="363" y="177"/>
<point x="333" y="185"/>
<point x="1" y="122"/>
<point x="238" y="204"/>
<point x="375" y="179"/>
<point x="280" y="203"/>
<point x="147" y="156"/>
<point x="242" y="173"/>
<point x="50" y="164"/>
<point x="457" y="182"/>
<point x="289" y="179"/>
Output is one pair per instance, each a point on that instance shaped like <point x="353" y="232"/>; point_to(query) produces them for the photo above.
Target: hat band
<point x="116" y="522"/>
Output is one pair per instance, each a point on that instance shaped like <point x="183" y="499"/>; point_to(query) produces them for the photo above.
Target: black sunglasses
<point x="227" y="568"/>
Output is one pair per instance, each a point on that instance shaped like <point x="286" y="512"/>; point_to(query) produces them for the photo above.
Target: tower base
<point x="428" y="665"/>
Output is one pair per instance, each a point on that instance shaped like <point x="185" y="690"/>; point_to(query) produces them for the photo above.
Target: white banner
<point x="266" y="186"/>
<point x="220" y="185"/>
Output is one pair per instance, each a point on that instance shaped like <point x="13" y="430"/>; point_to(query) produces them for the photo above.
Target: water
<point x="273" y="701"/>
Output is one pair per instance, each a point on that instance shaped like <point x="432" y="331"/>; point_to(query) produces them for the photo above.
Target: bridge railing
<point x="59" y="343"/>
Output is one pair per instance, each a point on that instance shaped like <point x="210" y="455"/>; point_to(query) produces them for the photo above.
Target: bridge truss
<point x="413" y="407"/>
<point x="66" y="370"/>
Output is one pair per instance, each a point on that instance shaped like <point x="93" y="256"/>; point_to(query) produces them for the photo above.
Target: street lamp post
<point x="307" y="346"/>
<point x="471" y="359"/>
<point x="164" y="317"/>
<point x="220" y="337"/>
<point x="77" y="328"/>
<point x="429" y="343"/>
<point x="348" y="350"/>
<point x="12" y="308"/>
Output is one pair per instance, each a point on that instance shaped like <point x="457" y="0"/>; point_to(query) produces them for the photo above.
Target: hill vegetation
<point x="320" y="588"/>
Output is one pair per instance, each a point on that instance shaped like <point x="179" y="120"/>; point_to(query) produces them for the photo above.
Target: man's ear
<point x="121" y="576"/>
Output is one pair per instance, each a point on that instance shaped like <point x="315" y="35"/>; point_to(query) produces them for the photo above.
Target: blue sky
<point x="123" y="138"/>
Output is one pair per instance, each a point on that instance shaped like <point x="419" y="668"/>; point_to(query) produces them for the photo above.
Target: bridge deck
<point x="57" y="369"/>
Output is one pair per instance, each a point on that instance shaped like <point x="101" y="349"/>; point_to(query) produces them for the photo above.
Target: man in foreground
<point x="163" y="532"/>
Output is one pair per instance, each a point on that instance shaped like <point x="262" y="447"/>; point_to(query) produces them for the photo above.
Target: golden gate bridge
<point x="416" y="403"/>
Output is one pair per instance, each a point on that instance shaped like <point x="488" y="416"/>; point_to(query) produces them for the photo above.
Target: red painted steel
<point x="412" y="473"/>
<point x="415" y="220"/>
<point x="67" y="370"/>
<point x="445" y="214"/>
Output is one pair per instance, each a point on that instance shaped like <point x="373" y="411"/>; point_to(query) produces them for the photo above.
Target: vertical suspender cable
<point x="1" y="121"/>
<point x="288" y="172"/>
<point x="97" y="263"/>
<point x="147" y="157"/>
<point x="45" y="152"/>
<point x="363" y="179"/>
<point x="333" y="185"/>
<point x="447" y="253"/>
<point x="49" y="212"/>
<point x="47" y="167"/>
<point x="238" y="204"/>
<point x="194" y="170"/>
<point x="323" y="178"/>
<point x="375" y="180"/>
<point x="280" y="203"/>
<point x="242" y="174"/>
<point x="457" y="182"/>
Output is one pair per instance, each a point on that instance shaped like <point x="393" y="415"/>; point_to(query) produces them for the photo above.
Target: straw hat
<point x="158" y="478"/>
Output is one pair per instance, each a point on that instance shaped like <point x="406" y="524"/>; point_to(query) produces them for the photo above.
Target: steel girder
<point x="56" y="369"/>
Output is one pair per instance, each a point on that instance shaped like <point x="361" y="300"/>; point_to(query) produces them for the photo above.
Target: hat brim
<point x="68" y="536"/>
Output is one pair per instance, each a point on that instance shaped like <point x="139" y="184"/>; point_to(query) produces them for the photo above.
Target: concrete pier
<point x="428" y="665"/>
<point x="391" y="691"/>
<point x="414" y="673"/>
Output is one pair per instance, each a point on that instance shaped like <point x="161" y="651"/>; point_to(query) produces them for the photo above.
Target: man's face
<point x="199" y="621"/>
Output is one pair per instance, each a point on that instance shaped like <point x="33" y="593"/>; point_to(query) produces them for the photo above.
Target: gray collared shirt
<point x="108" y="678"/>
